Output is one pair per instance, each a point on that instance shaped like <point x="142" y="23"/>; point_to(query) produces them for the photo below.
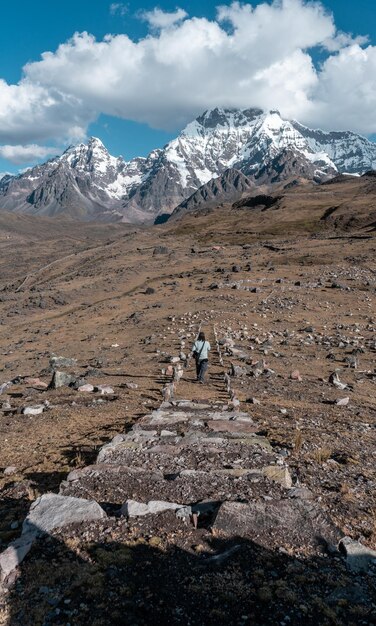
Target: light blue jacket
<point x="205" y="345"/>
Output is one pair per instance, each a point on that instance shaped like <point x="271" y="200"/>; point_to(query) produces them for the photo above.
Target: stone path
<point x="208" y="461"/>
<point x="203" y="458"/>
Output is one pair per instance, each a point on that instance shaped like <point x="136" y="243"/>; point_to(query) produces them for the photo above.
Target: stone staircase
<point x="184" y="452"/>
<point x="204" y="460"/>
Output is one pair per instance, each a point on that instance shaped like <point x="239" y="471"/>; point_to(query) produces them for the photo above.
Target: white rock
<point x="34" y="410"/>
<point x="87" y="387"/>
<point x="55" y="511"/>
<point x="12" y="469"/>
<point x="343" y="401"/>
<point x="131" y="508"/>
<point x="11" y="558"/>
<point x="105" y="390"/>
<point x="358" y="557"/>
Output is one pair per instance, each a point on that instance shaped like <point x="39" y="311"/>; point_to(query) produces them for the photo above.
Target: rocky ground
<point x="275" y="454"/>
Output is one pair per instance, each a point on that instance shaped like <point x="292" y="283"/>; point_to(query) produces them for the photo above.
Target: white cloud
<point x="30" y="111"/>
<point x="118" y="8"/>
<point x="159" y="19"/>
<point x="248" y="56"/>
<point x="345" y="96"/>
<point x="25" y="154"/>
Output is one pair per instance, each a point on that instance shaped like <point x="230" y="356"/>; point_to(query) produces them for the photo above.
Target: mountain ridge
<point x="88" y="183"/>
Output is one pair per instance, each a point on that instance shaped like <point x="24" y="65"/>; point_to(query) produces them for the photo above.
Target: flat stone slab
<point x="236" y="416"/>
<point x="132" y="508"/>
<point x="280" y="474"/>
<point x="276" y="522"/>
<point x="13" y="556"/>
<point x="232" y="426"/>
<point x="52" y="511"/>
<point x="180" y="486"/>
<point x="358" y="557"/>
<point x="100" y="469"/>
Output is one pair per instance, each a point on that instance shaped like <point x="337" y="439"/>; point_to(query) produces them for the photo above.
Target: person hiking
<point x="200" y="351"/>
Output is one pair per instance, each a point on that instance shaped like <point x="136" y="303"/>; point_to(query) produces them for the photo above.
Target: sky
<point x="135" y="73"/>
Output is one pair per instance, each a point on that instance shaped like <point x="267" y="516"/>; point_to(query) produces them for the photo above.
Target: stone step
<point x="191" y="452"/>
<point x="116" y="484"/>
<point x="273" y="523"/>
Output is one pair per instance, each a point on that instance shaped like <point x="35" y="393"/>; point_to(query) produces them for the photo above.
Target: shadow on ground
<point x="117" y="575"/>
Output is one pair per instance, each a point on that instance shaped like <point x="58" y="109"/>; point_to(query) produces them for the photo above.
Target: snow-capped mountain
<point x="86" y="182"/>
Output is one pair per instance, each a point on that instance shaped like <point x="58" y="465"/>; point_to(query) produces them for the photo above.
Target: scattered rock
<point x="9" y="471"/>
<point x="342" y="401"/>
<point x="86" y="388"/>
<point x="279" y="475"/>
<point x="334" y="380"/>
<point x="105" y="390"/>
<point x="61" y="379"/>
<point x="358" y="557"/>
<point x="61" y="361"/>
<point x="36" y="383"/>
<point x="253" y="401"/>
<point x="236" y="370"/>
<point x="34" y="410"/>
<point x="160" y="250"/>
<point x="130" y="385"/>
<point x="295" y="375"/>
<point x="131" y="508"/>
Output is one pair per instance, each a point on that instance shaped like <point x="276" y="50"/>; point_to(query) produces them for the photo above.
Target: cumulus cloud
<point x="162" y="19"/>
<point x="345" y="96"/>
<point x="25" y="154"/>
<point x="30" y="111"/>
<point x="248" y="56"/>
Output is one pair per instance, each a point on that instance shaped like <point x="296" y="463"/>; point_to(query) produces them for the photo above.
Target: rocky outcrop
<point x="226" y="188"/>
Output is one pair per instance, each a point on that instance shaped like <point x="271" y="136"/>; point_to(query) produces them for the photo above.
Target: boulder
<point x="61" y="379"/>
<point x="62" y="361"/>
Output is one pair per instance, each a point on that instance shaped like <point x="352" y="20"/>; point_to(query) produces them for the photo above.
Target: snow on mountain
<point x="86" y="182"/>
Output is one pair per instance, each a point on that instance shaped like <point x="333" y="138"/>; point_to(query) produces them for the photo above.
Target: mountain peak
<point x="222" y="152"/>
<point x="213" y="118"/>
<point x="94" y="142"/>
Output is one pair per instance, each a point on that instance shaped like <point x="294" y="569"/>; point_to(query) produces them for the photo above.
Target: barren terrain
<point x="290" y="294"/>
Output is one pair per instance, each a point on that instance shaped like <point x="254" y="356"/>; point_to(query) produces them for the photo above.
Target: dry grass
<point x="321" y="455"/>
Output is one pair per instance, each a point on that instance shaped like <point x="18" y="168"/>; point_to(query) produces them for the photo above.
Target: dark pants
<point x="201" y="367"/>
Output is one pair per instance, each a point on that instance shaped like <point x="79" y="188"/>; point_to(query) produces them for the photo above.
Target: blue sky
<point x="30" y="28"/>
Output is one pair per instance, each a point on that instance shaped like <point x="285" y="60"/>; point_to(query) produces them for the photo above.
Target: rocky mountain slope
<point x="225" y="188"/>
<point x="86" y="182"/>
